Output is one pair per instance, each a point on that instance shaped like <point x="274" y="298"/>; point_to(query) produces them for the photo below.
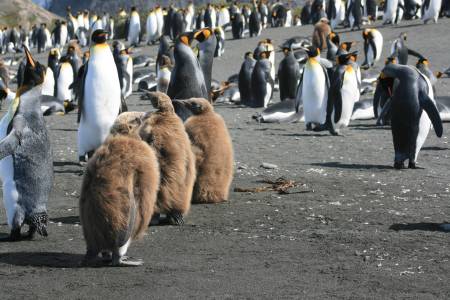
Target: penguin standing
<point x="254" y="23"/>
<point x="164" y="132"/>
<point x="152" y="27"/>
<point x="101" y="99"/>
<point x="64" y="80"/>
<point x="288" y="75"/>
<point x="262" y="82"/>
<point x="321" y="30"/>
<point x="164" y="49"/>
<point x="159" y="21"/>
<point x="178" y="25"/>
<point x="117" y="198"/>
<point x="413" y="110"/>
<point x="164" y="73"/>
<point x="390" y="11"/>
<point x="237" y="26"/>
<point x="212" y="146"/>
<point x="373" y="44"/>
<point x="49" y="85"/>
<point x="187" y="80"/>
<point x="220" y="46"/>
<point x="206" y="48"/>
<point x="126" y="62"/>
<point x="42" y="38"/>
<point x="343" y="93"/>
<point x="26" y="166"/>
<point x="245" y="79"/>
<point x="134" y="27"/>
<point x="355" y="14"/>
<point x="110" y="28"/>
<point x="312" y="92"/>
<point x="430" y="10"/>
<point x="333" y="42"/>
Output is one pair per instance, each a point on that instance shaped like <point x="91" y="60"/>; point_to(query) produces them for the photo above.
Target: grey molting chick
<point x="164" y="131"/>
<point x="165" y="66"/>
<point x="213" y="148"/>
<point x="118" y="197"/>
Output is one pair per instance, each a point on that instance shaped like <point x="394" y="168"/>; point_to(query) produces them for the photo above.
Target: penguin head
<point x="390" y="60"/>
<point x="347" y="45"/>
<point x="198" y="106"/>
<point x="99" y="36"/>
<point x="312" y="51"/>
<point x="367" y="33"/>
<point x="345" y="58"/>
<point x="334" y="37"/>
<point x="264" y="54"/>
<point x="403" y="36"/>
<point x="127" y="123"/>
<point x="286" y="50"/>
<point x="34" y="72"/>
<point x="161" y="101"/>
<point x="203" y="34"/>
<point x="186" y="38"/>
<point x="248" y="55"/>
<point x="422" y="61"/>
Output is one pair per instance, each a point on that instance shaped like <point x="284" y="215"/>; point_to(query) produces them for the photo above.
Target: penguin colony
<point x="140" y="165"/>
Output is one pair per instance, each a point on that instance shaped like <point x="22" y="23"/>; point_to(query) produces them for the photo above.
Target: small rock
<point x="268" y="166"/>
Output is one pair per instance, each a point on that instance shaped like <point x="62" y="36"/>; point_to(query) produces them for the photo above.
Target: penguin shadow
<point x="434" y="227"/>
<point x="78" y="171"/>
<point x="66" y="220"/>
<point x="64" y="129"/>
<point x="306" y="134"/>
<point x="434" y="148"/>
<point x="42" y="259"/>
<point x="368" y="127"/>
<point x="339" y="165"/>
<point x="65" y="163"/>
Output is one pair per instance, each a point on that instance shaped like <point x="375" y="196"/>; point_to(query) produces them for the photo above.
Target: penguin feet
<point x="15" y="235"/>
<point x="107" y="257"/>
<point x="175" y="218"/>
<point x="155" y="219"/>
<point x="308" y="127"/>
<point x="399" y="165"/>
<point x="412" y="165"/>
<point x="125" y="261"/>
<point x="320" y="127"/>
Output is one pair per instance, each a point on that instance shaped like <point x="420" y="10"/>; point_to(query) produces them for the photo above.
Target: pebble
<point x="268" y="166"/>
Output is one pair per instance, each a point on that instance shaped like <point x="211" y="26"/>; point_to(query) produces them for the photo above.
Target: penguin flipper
<point x="430" y="108"/>
<point x="298" y="98"/>
<point x="82" y="78"/>
<point x="384" y="112"/>
<point x="414" y="53"/>
<point x="9" y="144"/>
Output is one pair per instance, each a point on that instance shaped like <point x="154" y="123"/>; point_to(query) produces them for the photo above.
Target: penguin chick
<point x="118" y="196"/>
<point x="321" y="31"/>
<point x="214" y="152"/>
<point x="127" y="123"/>
<point x="164" y="131"/>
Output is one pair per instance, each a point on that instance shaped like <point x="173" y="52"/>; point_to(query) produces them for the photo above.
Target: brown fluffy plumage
<point x="321" y="31"/>
<point x="118" y="195"/>
<point x="164" y="131"/>
<point x="211" y="143"/>
<point x="127" y="123"/>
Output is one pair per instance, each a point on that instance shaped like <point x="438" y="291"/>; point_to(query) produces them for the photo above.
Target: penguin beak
<point x="30" y="59"/>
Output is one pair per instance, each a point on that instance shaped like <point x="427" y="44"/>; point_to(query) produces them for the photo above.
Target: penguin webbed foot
<point x="125" y="261"/>
<point x="15" y="235"/>
<point x="308" y="127"/>
<point x="412" y="165"/>
<point x="175" y="218"/>
<point x="321" y="127"/>
<point x="398" y="165"/>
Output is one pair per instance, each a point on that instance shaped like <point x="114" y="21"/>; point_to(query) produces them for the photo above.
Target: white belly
<point x="350" y="95"/>
<point x="152" y="28"/>
<point x="314" y="94"/>
<point x="65" y="79"/>
<point x="48" y="87"/>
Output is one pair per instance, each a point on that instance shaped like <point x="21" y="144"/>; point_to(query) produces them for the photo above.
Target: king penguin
<point x="312" y="92"/>
<point x="430" y="10"/>
<point x="134" y="27"/>
<point x="262" y="82"/>
<point x="206" y="48"/>
<point x="413" y="110"/>
<point x="101" y="99"/>
<point x="343" y="93"/>
<point x="152" y="28"/>
<point x="26" y="166"/>
<point x="245" y="79"/>
<point x="373" y="44"/>
<point x="288" y="75"/>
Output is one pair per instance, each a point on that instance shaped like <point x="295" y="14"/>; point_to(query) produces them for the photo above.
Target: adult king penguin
<point x="206" y="48"/>
<point x="413" y="110"/>
<point x="245" y="79"/>
<point x="134" y="27"/>
<point x="26" y="166"/>
<point x="288" y="75"/>
<point x="373" y="44"/>
<point x="101" y="99"/>
<point x="313" y="90"/>
<point x="262" y="82"/>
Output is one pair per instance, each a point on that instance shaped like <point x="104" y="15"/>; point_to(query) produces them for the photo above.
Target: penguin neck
<point x="313" y="60"/>
<point x="100" y="47"/>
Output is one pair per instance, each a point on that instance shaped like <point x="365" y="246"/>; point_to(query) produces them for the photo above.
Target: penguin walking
<point x="373" y="44"/>
<point x="118" y="197"/>
<point x="164" y="132"/>
<point x="262" y="82"/>
<point x="413" y="110"/>
<point x="213" y="149"/>
<point x="245" y="79"/>
<point x="430" y="10"/>
<point x="134" y="28"/>
<point x="288" y="75"/>
<point x="237" y="26"/>
<point x="101" y="96"/>
<point x="312" y="92"/>
<point x="254" y="24"/>
<point x="187" y="79"/>
<point x="343" y="93"/>
<point x="26" y="166"/>
<point x="206" y="48"/>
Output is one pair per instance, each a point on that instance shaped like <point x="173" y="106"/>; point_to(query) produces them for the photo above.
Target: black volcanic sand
<point x="353" y="228"/>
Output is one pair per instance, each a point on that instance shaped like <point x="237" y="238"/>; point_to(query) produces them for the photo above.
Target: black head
<point x="347" y="45"/>
<point x="286" y="50"/>
<point x="264" y="54"/>
<point x="3" y="89"/>
<point x="186" y="38"/>
<point x="34" y="72"/>
<point x="248" y="55"/>
<point x="313" y="51"/>
<point x="203" y="34"/>
<point x="99" y="36"/>
<point x="390" y="60"/>
<point x="422" y="61"/>
<point x="334" y="37"/>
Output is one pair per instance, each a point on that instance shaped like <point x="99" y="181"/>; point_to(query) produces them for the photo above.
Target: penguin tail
<point x="38" y="222"/>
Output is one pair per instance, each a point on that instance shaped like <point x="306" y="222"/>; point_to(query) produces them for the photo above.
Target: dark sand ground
<point x="354" y="229"/>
